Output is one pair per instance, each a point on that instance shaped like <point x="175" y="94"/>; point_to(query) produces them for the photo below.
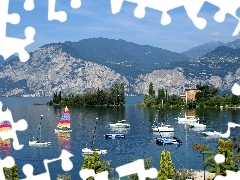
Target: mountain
<point x="72" y="68"/>
<point x="125" y="57"/>
<point x="201" y="50"/>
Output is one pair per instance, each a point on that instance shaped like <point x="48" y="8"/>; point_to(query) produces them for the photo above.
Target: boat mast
<point x="40" y="129"/>
<point x="94" y="131"/>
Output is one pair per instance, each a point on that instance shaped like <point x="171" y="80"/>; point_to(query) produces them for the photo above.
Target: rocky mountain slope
<point x="201" y="50"/>
<point x="61" y="67"/>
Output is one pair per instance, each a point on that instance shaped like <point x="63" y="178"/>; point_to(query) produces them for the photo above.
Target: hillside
<point x="201" y="50"/>
<point x="124" y="57"/>
<point x="63" y="67"/>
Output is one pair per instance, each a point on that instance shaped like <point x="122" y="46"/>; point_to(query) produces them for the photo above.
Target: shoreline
<point x="199" y="175"/>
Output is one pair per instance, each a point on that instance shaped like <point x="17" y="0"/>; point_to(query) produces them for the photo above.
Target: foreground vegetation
<point x="206" y="97"/>
<point x="115" y="96"/>
<point x="230" y="149"/>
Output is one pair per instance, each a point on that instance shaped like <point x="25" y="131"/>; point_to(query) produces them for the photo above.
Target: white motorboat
<point x="90" y="151"/>
<point x="187" y="119"/>
<point x="162" y="128"/>
<point x="120" y="124"/>
<point x="195" y="125"/>
<point x="212" y="133"/>
<point x="163" y="134"/>
<point x="36" y="142"/>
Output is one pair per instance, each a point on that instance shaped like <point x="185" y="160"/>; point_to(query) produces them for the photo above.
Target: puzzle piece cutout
<point x="10" y="45"/>
<point x="236" y="89"/>
<point x="137" y="167"/>
<point x="66" y="164"/>
<point x="220" y="158"/>
<point x="230" y="125"/>
<point x="86" y="173"/>
<point x="29" y="5"/>
<point x="7" y="162"/>
<point x="20" y="125"/>
<point x="192" y="9"/>
<point x="60" y="15"/>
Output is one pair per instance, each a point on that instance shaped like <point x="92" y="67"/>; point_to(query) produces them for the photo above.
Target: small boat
<point x="120" y="124"/>
<point x="187" y="119"/>
<point x="162" y="128"/>
<point x="167" y="141"/>
<point x="87" y="151"/>
<point x="114" y="136"/>
<point x="212" y="133"/>
<point x="38" y="142"/>
<point x="64" y="123"/>
<point x="195" y="125"/>
<point x="163" y="134"/>
<point x="90" y="151"/>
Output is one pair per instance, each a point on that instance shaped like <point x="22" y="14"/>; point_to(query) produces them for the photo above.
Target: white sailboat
<point x="87" y="151"/>
<point x="187" y="119"/>
<point x="38" y="142"/>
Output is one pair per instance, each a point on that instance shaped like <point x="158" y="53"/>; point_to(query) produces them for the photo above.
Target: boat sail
<point x="64" y="123"/>
<point x="38" y="142"/>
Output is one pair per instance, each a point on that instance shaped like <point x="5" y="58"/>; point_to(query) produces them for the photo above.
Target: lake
<point x="138" y="143"/>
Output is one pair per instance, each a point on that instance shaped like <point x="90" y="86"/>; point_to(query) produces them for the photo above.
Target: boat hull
<point x="36" y="143"/>
<point x="114" y="136"/>
<point x="62" y="131"/>
<point x="162" y="129"/>
<point x="209" y="133"/>
<point x="119" y="125"/>
<point x="91" y="151"/>
<point x="168" y="141"/>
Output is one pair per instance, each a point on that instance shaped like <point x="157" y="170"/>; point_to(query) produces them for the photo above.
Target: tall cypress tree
<point x="166" y="166"/>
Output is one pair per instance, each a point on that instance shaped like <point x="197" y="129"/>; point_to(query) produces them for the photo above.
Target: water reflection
<point x="64" y="140"/>
<point x="5" y="147"/>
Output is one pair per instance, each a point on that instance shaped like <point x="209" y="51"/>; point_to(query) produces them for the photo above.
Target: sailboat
<point x="38" y="142"/>
<point x="187" y="119"/>
<point x="64" y="123"/>
<point x="89" y="151"/>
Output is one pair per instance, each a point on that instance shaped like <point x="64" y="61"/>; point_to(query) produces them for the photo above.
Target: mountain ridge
<point x="58" y="67"/>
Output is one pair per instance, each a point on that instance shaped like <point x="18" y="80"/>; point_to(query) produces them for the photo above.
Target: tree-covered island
<point x="115" y="96"/>
<point x="205" y="97"/>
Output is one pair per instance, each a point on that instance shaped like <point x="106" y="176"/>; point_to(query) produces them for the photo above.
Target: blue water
<point x="138" y="142"/>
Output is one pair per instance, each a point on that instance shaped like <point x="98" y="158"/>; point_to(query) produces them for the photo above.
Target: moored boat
<point x="114" y="136"/>
<point x="162" y="128"/>
<point x="90" y="151"/>
<point x="167" y="141"/>
<point x="38" y="142"/>
<point x="120" y="124"/>
<point x="195" y="125"/>
<point x="212" y="133"/>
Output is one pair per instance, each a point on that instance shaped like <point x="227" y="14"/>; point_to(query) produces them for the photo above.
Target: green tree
<point x="225" y="148"/>
<point x="166" y="166"/>
<point x="161" y="96"/>
<point x="65" y="176"/>
<point x="151" y="91"/>
<point x="93" y="162"/>
<point x="11" y="173"/>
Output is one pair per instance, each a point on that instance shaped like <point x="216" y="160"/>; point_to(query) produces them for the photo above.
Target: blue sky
<point x="95" y="19"/>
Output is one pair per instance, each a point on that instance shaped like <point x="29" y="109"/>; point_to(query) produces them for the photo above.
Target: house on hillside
<point x="190" y="94"/>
